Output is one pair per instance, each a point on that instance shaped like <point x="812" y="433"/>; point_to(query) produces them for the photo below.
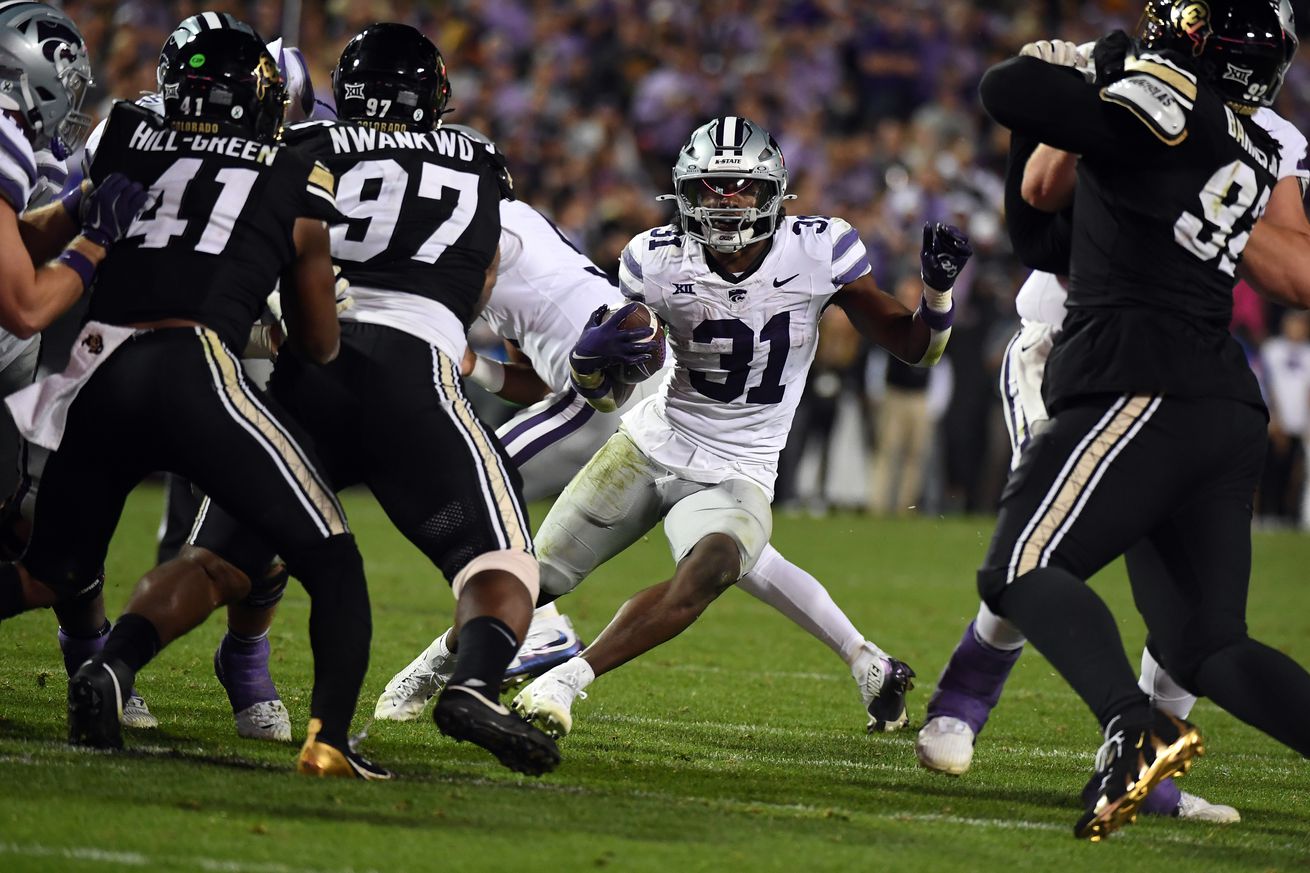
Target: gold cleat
<point x="1168" y="749"/>
<point x="324" y="760"/>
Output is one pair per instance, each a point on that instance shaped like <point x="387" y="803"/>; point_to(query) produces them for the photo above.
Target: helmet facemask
<point x="729" y="212"/>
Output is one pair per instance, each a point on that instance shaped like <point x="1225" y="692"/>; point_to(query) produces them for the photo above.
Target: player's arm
<point x="47" y="229"/>
<point x="918" y="337"/>
<point x="31" y="297"/>
<point x="1276" y="261"/>
<point x="1043" y="240"/>
<point x="513" y="380"/>
<point x="310" y="307"/>
<point x="1049" y="177"/>
<point x="1136" y="105"/>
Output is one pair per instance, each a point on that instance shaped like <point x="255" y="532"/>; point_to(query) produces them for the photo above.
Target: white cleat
<point x="409" y="691"/>
<point x="137" y="715"/>
<point x="547" y="701"/>
<point x="883" y="689"/>
<point x="945" y="744"/>
<point x="268" y="720"/>
<point x="1199" y="809"/>
<point x="551" y="641"/>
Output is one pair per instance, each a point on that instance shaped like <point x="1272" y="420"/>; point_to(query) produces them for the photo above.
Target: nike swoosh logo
<point x="492" y="705"/>
<point x="778" y="283"/>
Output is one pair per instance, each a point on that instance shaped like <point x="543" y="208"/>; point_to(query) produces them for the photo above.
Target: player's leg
<point x="883" y="681"/>
<point x="1087" y="488"/>
<point x="715" y="533"/>
<point x="972" y="680"/>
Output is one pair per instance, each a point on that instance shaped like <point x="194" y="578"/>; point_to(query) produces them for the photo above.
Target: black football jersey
<point x="1170" y="184"/>
<point x="216" y="234"/>
<point x="422" y="209"/>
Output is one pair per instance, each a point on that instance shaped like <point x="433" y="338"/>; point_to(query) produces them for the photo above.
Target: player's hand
<point x="1059" y="52"/>
<point x="945" y="252"/>
<point x="604" y="343"/>
<point x="1109" y="55"/>
<point x="109" y="210"/>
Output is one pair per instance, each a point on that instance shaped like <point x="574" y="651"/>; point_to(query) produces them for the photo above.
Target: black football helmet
<point x="1243" y="47"/>
<point x="187" y="30"/>
<point x="495" y="155"/>
<point x="226" y="76"/>
<point x="391" y="73"/>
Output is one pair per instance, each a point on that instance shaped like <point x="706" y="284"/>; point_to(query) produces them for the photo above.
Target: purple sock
<point x="1163" y="801"/>
<point x="241" y="665"/>
<point x="77" y="649"/>
<point x="972" y="681"/>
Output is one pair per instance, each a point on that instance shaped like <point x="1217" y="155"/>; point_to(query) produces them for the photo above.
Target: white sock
<point x="863" y="659"/>
<point x="995" y="631"/>
<point x="547" y="611"/>
<point x="580" y="669"/>
<point x="799" y="596"/>
<point x="1165" y="693"/>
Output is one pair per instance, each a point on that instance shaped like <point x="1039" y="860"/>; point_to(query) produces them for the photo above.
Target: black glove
<point x="1109" y="55"/>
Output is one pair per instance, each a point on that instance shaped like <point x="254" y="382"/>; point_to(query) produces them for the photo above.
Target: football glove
<point x="945" y="252"/>
<point x="1061" y="53"/>
<point x="109" y="210"/>
<point x="604" y="343"/>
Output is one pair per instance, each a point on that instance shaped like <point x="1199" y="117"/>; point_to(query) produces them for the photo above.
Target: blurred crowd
<point x="873" y="103"/>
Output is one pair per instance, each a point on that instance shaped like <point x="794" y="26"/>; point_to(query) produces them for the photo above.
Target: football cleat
<point x="321" y="759"/>
<point x="1199" y="809"/>
<point x="551" y="641"/>
<point x="883" y="689"/>
<point x="410" y="690"/>
<point x="1129" y="765"/>
<point x="547" y="701"/>
<point x="268" y="720"/>
<point x="95" y="705"/>
<point x="136" y="714"/>
<point x="945" y="744"/>
<point x="466" y="714"/>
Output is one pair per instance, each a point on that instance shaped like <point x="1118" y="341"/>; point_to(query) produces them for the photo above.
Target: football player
<point x="545" y="293"/>
<point x="740" y="287"/>
<point x="419" y="246"/>
<point x="1157" y="429"/>
<point x="154" y="383"/>
<point x="47" y="76"/>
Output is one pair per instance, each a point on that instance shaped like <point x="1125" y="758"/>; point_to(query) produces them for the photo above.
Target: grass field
<point x="739" y="746"/>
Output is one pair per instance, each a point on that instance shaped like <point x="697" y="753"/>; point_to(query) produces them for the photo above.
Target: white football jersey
<point x="741" y="344"/>
<point x="20" y="185"/>
<point x="545" y="291"/>
<point x="1042" y="296"/>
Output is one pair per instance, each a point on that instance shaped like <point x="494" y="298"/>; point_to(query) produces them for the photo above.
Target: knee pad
<point x="516" y="562"/>
<point x="266" y="592"/>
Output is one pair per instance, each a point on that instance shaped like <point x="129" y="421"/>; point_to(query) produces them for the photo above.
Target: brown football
<point x="641" y="317"/>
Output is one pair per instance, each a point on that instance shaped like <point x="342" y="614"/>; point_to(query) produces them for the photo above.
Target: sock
<point x="486" y="646"/>
<point x="864" y="658"/>
<point x="134" y="641"/>
<point x="996" y="632"/>
<point x="242" y="666"/>
<point x="77" y="649"/>
<point x="1166" y="694"/>
<point x="971" y="683"/>
<point x="1162" y="801"/>
<point x="799" y="596"/>
<point x="12" y="600"/>
<point x="1075" y="630"/>
<point x="1263" y="687"/>
<point x="340" y="630"/>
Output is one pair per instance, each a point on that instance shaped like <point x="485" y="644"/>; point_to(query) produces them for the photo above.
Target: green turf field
<point x="739" y="746"/>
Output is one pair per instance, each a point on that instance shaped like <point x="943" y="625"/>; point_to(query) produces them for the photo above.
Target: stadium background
<point x="874" y="105"/>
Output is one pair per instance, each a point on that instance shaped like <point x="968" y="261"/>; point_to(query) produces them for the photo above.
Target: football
<point x="642" y="317"/>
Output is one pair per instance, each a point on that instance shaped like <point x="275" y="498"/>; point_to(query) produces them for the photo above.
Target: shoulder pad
<point x="126" y="109"/>
<point x="1158" y="104"/>
<point x="304" y="131"/>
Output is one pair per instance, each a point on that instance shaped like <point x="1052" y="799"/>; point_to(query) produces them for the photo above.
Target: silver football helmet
<point x="730" y="182"/>
<point x="44" y="75"/>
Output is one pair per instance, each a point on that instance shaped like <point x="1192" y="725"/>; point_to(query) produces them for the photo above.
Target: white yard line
<point x="140" y="859"/>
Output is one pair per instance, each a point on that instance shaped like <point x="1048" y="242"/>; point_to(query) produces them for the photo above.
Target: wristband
<point x="488" y="373"/>
<point x="79" y="264"/>
<point x="96" y="236"/>
<point x="935" y="318"/>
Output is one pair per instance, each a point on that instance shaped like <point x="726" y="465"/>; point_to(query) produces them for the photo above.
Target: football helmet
<point x="187" y="30"/>
<point x="391" y="73"/>
<point x="44" y="75"/>
<point x="729" y="183"/>
<point x="228" y="77"/>
<point x="496" y="155"/>
<point x="1243" y="47"/>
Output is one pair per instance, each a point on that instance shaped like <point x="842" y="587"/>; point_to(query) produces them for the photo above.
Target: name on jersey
<point x="346" y="140"/>
<point x="148" y="138"/>
<point x="1238" y="132"/>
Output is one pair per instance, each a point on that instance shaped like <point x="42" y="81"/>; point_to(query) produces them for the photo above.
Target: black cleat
<point x="95" y="704"/>
<point x="1131" y="763"/>
<point x="464" y="713"/>
<point x="884" y="689"/>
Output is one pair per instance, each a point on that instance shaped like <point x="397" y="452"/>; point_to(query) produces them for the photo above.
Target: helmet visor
<point x="728" y="202"/>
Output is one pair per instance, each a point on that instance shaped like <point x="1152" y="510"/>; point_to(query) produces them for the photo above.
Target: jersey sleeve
<point x="850" y="259"/>
<point x="632" y="281"/>
<point x="320" y="195"/>
<point x="17" y="165"/>
<point x="1292" y="146"/>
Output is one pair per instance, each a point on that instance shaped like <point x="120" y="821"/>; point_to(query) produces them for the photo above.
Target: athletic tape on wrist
<point x="488" y="373"/>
